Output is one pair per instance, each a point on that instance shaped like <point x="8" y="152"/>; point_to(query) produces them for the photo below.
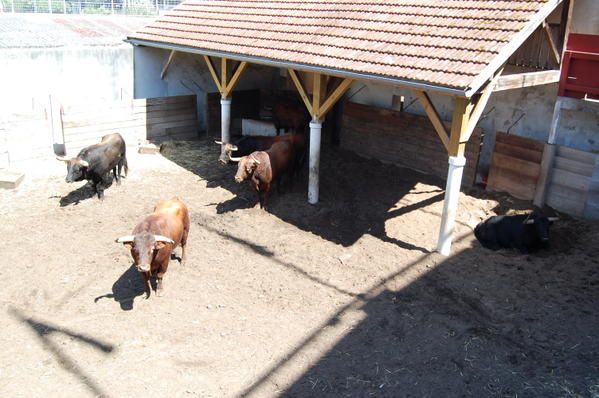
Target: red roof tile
<point x="446" y="43"/>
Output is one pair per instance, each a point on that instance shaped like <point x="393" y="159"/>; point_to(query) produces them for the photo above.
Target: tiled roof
<point x="49" y="31"/>
<point x="445" y="43"/>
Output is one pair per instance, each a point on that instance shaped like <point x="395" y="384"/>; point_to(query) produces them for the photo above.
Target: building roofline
<point x="415" y="85"/>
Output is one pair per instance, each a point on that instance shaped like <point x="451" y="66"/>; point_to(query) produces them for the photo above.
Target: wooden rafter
<point x="225" y="84"/>
<point x="433" y="116"/>
<point x="235" y="77"/>
<point x="300" y="88"/>
<point x="321" y="102"/>
<point x="168" y="62"/>
<point x="213" y="72"/>
<point x="334" y="96"/>
<point x="552" y="45"/>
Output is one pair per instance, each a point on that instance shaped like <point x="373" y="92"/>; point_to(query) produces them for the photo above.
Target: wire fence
<point x="102" y="7"/>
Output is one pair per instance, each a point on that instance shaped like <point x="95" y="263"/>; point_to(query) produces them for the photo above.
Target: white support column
<point x="450" y="206"/>
<point x="315" y="133"/>
<point x="225" y="127"/>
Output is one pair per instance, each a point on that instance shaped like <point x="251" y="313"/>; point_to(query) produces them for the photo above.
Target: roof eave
<point x="411" y="84"/>
<point x="510" y="48"/>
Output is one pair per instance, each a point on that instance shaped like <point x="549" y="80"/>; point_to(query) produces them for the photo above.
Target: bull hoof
<point x="159" y="288"/>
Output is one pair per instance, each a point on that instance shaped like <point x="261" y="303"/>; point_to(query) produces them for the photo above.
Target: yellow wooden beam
<point x="236" y="75"/>
<point x="552" y="45"/>
<point x="316" y="95"/>
<point x="300" y="88"/>
<point x="461" y="114"/>
<point x="223" y="75"/>
<point x="168" y="62"/>
<point x="433" y="116"/>
<point x="213" y="72"/>
<point x="334" y="96"/>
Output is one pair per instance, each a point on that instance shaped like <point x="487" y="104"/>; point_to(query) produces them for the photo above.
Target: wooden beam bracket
<point x="213" y="73"/>
<point x="433" y="116"/>
<point x="168" y="62"/>
<point x="235" y="78"/>
<point x="300" y="88"/>
<point x="549" y="35"/>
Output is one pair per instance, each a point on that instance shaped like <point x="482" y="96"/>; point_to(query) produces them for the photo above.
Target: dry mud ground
<point x="340" y="299"/>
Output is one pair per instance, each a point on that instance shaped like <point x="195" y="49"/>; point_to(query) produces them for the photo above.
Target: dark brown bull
<point x="290" y="115"/>
<point x="93" y="163"/>
<point x="154" y="239"/>
<point x="263" y="168"/>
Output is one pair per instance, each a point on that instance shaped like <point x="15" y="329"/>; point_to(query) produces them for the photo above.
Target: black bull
<point x="524" y="232"/>
<point x="94" y="162"/>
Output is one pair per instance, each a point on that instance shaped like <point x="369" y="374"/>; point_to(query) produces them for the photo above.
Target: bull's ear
<point x="126" y="240"/>
<point x="159" y="245"/>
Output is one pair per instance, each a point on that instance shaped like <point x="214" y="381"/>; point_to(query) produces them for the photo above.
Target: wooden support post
<point x="235" y="78"/>
<point x="457" y="161"/>
<point x="318" y="106"/>
<point x="555" y="52"/>
<point x="223" y="75"/>
<point x="548" y="156"/>
<point x="433" y="116"/>
<point x="168" y="62"/>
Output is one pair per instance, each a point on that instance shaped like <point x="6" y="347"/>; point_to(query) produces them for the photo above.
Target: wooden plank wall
<point x="570" y="180"/>
<point x="573" y="181"/>
<point x="515" y="165"/>
<point x="152" y="118"/>
<point x="402" y="138"/>
<point x="25" y="137"/>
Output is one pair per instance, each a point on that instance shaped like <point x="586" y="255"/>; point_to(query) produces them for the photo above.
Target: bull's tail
<point x="124" y="163"/>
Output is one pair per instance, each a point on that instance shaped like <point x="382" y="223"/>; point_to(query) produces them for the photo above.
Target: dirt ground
<point x="342" y="299"/>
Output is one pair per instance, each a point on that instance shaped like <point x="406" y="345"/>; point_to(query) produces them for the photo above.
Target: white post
<point x="450" y="206"/>
<point x="50" y="6"/>
<point x="225" y="125"/>
<point x="315" y="133"/>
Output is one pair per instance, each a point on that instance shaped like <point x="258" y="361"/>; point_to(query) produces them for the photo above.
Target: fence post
<point x="50" y="6"/>
<point x="64" y="6"/>
<point x="12" y="6"/>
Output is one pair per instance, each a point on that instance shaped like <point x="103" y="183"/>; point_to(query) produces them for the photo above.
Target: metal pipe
<point x="450" y="205"/>
<point x="313" y="178"/>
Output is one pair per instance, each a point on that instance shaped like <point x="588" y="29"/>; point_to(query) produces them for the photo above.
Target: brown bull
<point x="290" y="115"/>
<point x="263" y="168"/>
<point x="154" y="239"/>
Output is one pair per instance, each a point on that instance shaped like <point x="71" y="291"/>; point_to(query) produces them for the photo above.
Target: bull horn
<point x="529" y="221"/>
<point x="125" y="239"/>
<point x="254" y="159"/>
<point x="233" y="148"/>
<point x="218" y="142"/>
<point x="62" y="158"/>
<point x="160" y="238"/>
<point x="232" y="159"/>
<point x="553" y="218"/>
<point x="84" y="163"/>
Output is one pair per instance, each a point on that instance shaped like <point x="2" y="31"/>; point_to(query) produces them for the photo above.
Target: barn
<point x="461" y="52"/>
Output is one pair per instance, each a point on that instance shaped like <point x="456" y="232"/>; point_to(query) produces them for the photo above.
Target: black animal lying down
<point x="525" y="232"/>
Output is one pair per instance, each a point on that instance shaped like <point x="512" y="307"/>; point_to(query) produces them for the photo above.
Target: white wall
<point x="68" y="74"/>
<point x="188" y="74"/>
<point x="585" y="17"/>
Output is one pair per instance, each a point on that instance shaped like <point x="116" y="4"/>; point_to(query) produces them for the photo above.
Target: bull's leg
<point x="183" y="247"/>
<point x="159" y="279"/>
<point x="99" y="188"/>
<point x="147" y="286"/>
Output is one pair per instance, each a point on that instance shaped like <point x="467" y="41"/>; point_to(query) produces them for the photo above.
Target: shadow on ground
<point x="479" y="324"/>
<point x="356" y="194"/>
<point x="43" y="331"/>
<point x="127" y="288"/>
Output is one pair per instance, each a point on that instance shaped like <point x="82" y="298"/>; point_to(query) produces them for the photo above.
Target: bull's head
<point x="228" y="149"/>
<point x="76" y="168"/>
<point x="143" y="248"/>
<point x="246" y="167"/>
<point x="541" y="225"/>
